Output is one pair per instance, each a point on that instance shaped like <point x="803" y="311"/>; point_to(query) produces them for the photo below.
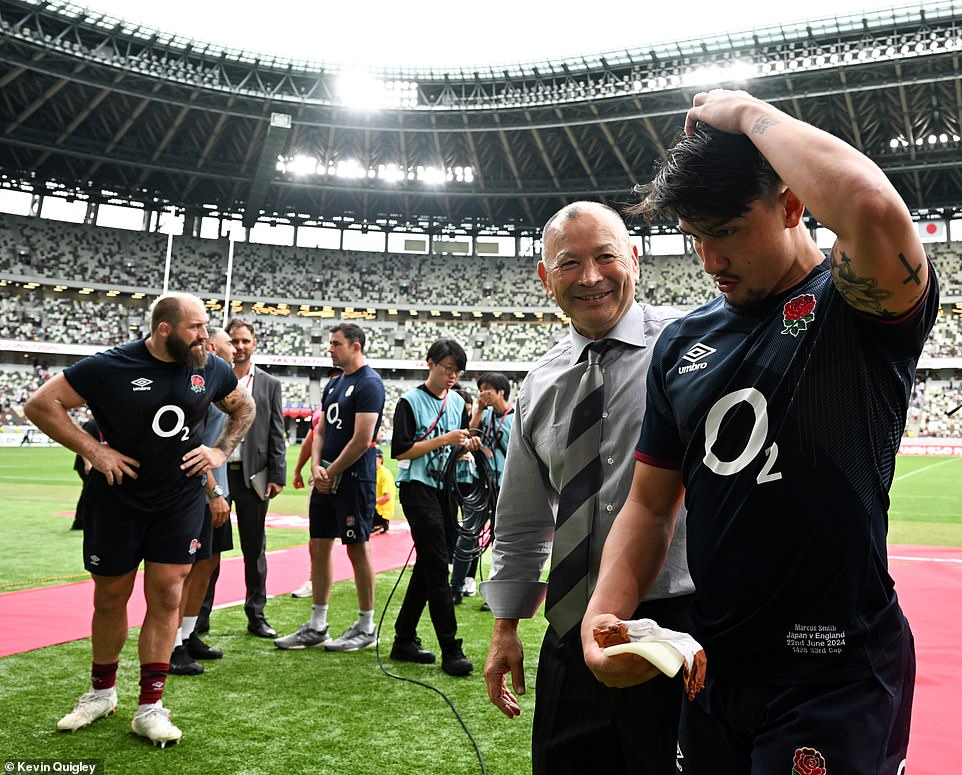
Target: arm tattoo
<point x="239" y="405"/>
<point x="763" y="124"/>
<point x="913" y="276"/>
<point x="862" y="293"/>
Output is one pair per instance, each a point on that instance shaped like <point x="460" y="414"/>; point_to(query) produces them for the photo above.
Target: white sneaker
<point x="154" y="724"/>
<point x="470" y="586"/>
<point x="91" y="706"/>
<point x="305" y="590"/>
<point x="353" y="639"/>
<point x="306" y="637"/>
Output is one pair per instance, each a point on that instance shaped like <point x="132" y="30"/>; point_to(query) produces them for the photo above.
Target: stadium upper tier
<point x="134" y="261"/>
<point x="108" y="111"/>
<point x="74" y="284"/>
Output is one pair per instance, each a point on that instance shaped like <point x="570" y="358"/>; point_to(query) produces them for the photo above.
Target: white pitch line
<point x="957" y="560"/>
<point x="924" y="469"/>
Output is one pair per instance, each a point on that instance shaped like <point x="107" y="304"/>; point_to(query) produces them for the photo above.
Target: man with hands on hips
<point x="146" y="500"/>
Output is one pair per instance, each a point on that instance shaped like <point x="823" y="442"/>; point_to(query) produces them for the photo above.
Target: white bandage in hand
<point x="648" y="631"/>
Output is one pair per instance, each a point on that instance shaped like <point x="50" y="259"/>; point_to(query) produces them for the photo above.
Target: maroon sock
<point x="103" y="676"/>
<point x="153" y="675"/>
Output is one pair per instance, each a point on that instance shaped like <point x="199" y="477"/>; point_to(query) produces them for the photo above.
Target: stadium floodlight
<point x="302" y="165"/>
<point x="360" y="90"/>
<point x="433" y="176"/>
<point x="735" y="71"/>
<point x="350" y="168"/>
<point x="391" y="173"/>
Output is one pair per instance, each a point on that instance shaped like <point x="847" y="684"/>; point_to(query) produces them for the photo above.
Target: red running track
<point x="45" y="616"/>
<point x="928" y="581"/>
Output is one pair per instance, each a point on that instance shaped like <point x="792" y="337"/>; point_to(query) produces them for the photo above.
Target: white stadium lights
<point x="736" y="70"/>
<point x="390" y="173"/>
<point x="304" y="165"/>
<point x="362" y="91"/>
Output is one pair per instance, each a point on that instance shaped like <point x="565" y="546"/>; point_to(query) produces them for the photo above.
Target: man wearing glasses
<point x="430" y="421"/>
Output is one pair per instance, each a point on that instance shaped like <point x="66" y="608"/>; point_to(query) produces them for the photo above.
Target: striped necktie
<point x="570" y="555"/>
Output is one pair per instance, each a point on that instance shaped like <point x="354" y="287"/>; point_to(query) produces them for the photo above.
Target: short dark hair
<point x="462" y="391"/>
<point x="442" y="348"/>
<point x="241" y="322"/>
<point x="709" y="175"/>
<point x="352" y="332"/>
<point x="497" y="380"/>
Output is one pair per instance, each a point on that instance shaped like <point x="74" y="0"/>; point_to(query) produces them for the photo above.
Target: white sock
<point x="366" y="620"/>
<point x="179" y="637"/>
<point x="318" y="617"/>
<point x="187" y="627"/>
<point x="105" y="692"/>
<point x="149" y="705"/>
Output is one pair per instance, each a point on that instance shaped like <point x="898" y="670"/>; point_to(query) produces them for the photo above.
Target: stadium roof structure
<point x="93" y="107"/>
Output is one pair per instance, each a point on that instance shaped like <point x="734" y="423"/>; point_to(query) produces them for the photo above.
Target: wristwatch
<point x="217" y="492"/>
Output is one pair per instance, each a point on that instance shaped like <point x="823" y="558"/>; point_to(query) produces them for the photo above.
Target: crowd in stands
<point x="931" y="413"/>
<point x="47" y="251"/>
<point x="33" y="247"/>
<point x="945" y="341"/>
<point x="16" y="385"/>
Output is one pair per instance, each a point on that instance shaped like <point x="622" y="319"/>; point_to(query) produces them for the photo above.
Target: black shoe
<point x="453" y="661"/>
<point x="484" y="607"/>
<point x="200" y="650"/>
<point x="456" y="596"/>
<point x="261" y="628"/>
<point x="182" y="663"/>
<point x="410" y="651"/>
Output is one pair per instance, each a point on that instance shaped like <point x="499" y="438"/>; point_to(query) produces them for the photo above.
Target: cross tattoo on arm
<point x="913" y="276"/>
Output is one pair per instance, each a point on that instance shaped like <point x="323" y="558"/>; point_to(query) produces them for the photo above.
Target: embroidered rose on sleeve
<point x="798" y="313"/>
<point x="808" y="761"/>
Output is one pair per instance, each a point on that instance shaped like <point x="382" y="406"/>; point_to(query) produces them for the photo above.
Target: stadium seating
<point x="270" y="282"/>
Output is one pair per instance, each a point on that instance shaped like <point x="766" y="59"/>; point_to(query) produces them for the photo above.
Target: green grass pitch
<point x="260" y="710"/>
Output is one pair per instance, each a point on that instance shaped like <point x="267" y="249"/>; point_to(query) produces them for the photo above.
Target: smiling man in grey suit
<point x="256" y="471"/>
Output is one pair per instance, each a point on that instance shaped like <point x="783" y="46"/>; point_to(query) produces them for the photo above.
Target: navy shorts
<point x="348" y="514"/>
<point x="117" y="537"/>
<point x="857" y="728"/>
<point x="223" y="538"/>
<point x="214" y="540"/>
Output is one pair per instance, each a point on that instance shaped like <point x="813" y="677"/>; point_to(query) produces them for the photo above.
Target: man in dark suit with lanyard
<point x="256" y="472"/>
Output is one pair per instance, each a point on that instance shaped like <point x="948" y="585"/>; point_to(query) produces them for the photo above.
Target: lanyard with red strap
<point x="436" y="420"/>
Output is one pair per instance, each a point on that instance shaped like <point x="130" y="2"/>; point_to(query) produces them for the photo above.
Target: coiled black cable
<point x="479" y="496"/>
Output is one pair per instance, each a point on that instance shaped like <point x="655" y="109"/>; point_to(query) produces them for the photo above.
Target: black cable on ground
<point x="380" y="664"/>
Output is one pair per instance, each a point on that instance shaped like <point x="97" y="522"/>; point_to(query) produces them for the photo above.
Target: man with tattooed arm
<point x="776" y="412"/>
<point x="146" y="497"/>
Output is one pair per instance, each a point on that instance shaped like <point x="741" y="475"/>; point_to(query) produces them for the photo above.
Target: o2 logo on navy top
<point x="161" y="420"/>
<point x="756" y="439"/>
<point x="333" y="417"/>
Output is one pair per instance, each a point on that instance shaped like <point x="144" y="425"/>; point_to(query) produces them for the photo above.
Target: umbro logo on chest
<point x="695" y="357"/>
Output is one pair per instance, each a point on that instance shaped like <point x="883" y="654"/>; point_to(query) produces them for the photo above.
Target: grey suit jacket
<point x="264" y="445"/>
